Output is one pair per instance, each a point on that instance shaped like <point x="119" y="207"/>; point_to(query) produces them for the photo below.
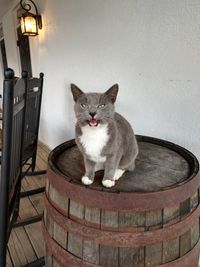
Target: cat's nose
<point x="92" y="114"/>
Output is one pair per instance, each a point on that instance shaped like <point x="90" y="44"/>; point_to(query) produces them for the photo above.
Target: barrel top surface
<point x="160" y="165"/>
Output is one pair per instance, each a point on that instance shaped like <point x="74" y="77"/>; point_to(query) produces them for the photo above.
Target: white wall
<point x="10" y="42"/>
<point x="150" y="47"/>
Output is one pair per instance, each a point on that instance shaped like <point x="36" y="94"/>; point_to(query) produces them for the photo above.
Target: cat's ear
<point x="76" y="92"/>
<point x="112" y="93"/>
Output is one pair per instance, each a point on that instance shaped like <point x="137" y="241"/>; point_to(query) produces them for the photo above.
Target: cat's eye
<point x="102" y="106"/>
<point x="83" y="105"/>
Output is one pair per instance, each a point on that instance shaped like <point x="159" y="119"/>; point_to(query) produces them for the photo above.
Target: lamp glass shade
<point x="29" y="25"/>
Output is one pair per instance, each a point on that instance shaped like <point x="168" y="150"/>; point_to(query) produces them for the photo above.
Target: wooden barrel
<point x="149" y="218"/>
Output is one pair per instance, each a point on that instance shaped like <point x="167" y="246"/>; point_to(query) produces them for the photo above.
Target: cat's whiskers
<point x="108" y="118"/>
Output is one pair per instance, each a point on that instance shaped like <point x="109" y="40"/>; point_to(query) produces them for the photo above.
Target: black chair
<point x="15" y="121"/>
<point x="32" y="119"/>
<point x="14" y="96"/>
<point x="30" y="142"/>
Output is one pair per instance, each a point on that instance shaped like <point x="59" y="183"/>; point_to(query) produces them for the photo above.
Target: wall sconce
<point x="30" y="23"/>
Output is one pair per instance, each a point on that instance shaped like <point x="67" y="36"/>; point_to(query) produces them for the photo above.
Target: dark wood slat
<point x="170" y="250"/>
<point x="75" y="245"/>
<point x="171" y="214"/>
<point x="194" y="201"/>
<point x="153" y="253"/>
<point x="185" y="207"/>
<point x="93" y="215"/>
<point x="91" y="252"/>
<point x="195" y="234"/>
<point x="131" y="219"/>
<point x="109" y="219"/>
<point x="58" y="199"/>
<point x="90" y="249"/>
<point x="131" y="256"/>
<point x="185" y="243"/>
<point x="60" y="235"/>
<point x="76" y="209"/>
<point x="109" y="256"/>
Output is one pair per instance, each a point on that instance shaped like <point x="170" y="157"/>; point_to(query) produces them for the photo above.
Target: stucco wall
<point x="150" y="47"/>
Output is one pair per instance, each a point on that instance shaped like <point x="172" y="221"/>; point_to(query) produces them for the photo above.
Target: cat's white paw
<point x="86" y="180"/>
<point x="118" y="174"/>
<point x="108" y="183"/>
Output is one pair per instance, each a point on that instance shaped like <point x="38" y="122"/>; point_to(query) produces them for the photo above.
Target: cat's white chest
<point x="94" y="139"/>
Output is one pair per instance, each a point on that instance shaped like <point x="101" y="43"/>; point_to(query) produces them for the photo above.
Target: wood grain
<point x="162" y="166"/>
<point x="150" y="218"/>
<point x="153" y="253"/>
<point x="195" y="233"/>
<point x="109" y="256"/>
<point x="170" y="250"/>
<point x="60" y="235"/>
<point x="131" y="256"/>
<point x="26" y="243"/>
<point x="185" y="243"/>
<point x="57" y="198"/>
<point x="75" y="245"/>
<point x="91" y="252"/>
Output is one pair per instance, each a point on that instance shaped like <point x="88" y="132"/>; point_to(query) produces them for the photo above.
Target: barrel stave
<point x="195" y="234"/>
<point x="75" y="245"/>
<point x="171" y="215"/>
<point x="60" y="235"/>
<point x="170" y="250"/>
<point x="153" y="253"/>
<point x="93" y="216"/>
<point x="91" y="252"/>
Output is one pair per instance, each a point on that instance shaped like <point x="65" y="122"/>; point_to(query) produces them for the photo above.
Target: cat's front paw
<point x="108" y="183"/>
<point x="86" y="180"/>
<point x="118" y="174"/>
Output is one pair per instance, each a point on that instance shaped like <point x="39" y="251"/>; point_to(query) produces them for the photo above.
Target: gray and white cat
<point x="104" y="137"/>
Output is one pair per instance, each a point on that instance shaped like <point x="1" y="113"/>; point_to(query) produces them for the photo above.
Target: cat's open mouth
<point x="93" y="122"/>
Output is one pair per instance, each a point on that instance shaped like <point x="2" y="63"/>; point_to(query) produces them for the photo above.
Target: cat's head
<point x="94" y="109"/>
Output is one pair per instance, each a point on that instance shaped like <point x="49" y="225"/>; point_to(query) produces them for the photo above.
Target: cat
<point x="104" y="137"/>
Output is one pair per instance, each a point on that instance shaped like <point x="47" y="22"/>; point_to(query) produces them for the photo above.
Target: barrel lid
<point x="160" y="165"/>
<point x="165" y="175"/>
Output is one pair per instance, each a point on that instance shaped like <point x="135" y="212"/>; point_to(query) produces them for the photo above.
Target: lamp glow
<point x="30" y="23"/>
<point x="29" y="26"/>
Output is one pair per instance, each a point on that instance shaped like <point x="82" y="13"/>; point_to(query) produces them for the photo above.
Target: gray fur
<point x="121" y="148"/>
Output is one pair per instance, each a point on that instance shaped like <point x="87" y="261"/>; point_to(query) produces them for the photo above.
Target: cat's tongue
<point x="93" y="122"/>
